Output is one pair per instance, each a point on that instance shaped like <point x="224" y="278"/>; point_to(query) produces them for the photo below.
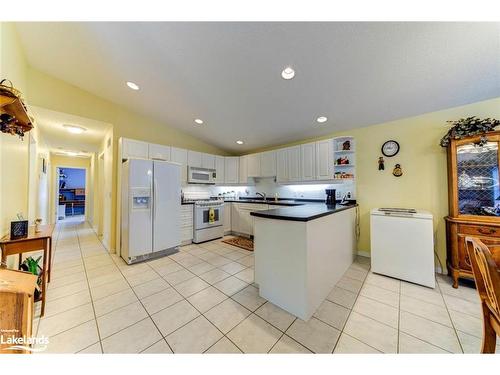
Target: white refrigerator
<point x="151" y="209"/>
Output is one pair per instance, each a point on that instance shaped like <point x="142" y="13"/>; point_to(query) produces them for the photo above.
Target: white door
<point x="220" y="169"/>
<point x="159" y="152"/>
<point x="134" y="149"/>
<point x="253" y="161"/>
<point x="207" y="161"/>
<point x="166" y="205"/>
<point x="139" y="178"/>
<point x="324" y="160"/>
<point x="231" y="164"/>
<point x="308" y="161"/>
<point x="268" y="164"/>
<point x="282" y="165"/>
<point x="194" y="159"/>
<point x="294" y="163"/>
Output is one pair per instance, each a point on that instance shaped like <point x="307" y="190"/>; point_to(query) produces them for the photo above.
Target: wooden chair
<point x="487" y="277"/>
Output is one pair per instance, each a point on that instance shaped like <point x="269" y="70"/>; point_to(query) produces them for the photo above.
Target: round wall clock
<point x="390" y="148"/>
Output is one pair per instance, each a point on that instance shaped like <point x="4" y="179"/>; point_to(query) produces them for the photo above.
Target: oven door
<point x="203" y="219"/>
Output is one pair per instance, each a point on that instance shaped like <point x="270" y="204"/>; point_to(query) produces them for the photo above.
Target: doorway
<point x="71" y="186"/>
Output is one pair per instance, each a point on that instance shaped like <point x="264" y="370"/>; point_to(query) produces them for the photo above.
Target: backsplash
<point x="270" y="188"/>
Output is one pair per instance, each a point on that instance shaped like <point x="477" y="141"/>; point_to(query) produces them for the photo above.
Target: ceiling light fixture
<point x="288" y="73"/>
<point x="72" y="153"/>
<point x="239" y="142"/>
<point x="133" y="85"/>
<point x="198" y="121"/>
<point x="74" y="129"/>
<point x="321" y="119"/>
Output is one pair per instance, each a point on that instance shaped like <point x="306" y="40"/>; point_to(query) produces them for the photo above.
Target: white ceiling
<point x="228" y="74"/>
<point x="58" y="139"/>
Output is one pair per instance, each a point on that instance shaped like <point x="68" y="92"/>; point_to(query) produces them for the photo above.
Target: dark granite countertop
<point x="304" y="212"/>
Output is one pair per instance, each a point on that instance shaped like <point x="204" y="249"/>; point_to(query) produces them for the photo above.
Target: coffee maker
<point x="330" y="197"/>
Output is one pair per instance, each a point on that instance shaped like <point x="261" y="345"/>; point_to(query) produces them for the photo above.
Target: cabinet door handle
<point x="486" y="230"/>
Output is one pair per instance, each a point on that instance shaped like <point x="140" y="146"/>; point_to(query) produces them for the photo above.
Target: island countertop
<point x="304" y="212"/>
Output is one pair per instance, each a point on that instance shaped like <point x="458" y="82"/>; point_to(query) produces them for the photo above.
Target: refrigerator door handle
<point x="155" y="188"/>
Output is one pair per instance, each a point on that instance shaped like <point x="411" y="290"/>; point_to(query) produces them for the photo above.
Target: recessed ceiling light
<point x="321" y="119"/>
<point x="74" y="129"/>
<point x="288" y="73"/>
<point x="133" y="85"/>
<point x="198" y="121"/>
<point x="71" y="153"/>
<point x="239" y="142"/>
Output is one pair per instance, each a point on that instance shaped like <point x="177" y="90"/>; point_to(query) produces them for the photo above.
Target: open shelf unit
<point x="344" y="158"/>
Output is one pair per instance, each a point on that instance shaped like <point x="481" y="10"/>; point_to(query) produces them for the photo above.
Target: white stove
<point x="208" y="220"/>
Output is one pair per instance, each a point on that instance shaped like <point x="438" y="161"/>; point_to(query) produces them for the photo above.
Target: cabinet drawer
<point x="479" y="230"/>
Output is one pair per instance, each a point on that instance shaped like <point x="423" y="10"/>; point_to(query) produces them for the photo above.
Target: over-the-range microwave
<point x="197" y="175"/>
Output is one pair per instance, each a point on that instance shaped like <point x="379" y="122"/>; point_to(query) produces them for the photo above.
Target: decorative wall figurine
<point x="381" y="165"/>
<point x="346" y="146"/>
<point x="397" y="172"/>
<point x="343" y="160"/>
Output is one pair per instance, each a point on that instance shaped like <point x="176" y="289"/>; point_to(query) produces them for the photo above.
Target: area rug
<point x="242" y="242"/>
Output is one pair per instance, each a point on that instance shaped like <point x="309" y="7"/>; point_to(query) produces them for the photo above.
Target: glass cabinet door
<point x="478" y="185"/>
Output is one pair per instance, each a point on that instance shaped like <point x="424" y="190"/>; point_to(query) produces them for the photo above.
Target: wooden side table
<point x="16" y="306"/>
<point x="35" y="241"/>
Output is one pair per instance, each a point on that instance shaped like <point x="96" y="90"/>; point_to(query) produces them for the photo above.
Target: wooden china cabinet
<point x="474" y="198"/>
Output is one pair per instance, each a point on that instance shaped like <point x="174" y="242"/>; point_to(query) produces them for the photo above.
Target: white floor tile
<point x="254" y="335"/>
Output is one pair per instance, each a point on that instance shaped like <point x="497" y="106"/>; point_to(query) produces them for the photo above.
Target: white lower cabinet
<point x="226" y="217"/>
<point x="241" y="220"/>
<point x="186" y="224"/>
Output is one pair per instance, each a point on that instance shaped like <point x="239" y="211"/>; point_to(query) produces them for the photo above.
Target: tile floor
<point x="203" y="300"/>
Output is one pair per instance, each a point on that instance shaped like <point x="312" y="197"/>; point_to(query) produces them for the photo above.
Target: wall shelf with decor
<point x="344" y="159"/>
<point x="14" y="118"/>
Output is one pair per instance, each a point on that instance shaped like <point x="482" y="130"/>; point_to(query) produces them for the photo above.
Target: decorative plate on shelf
<point x="390" y="148"/>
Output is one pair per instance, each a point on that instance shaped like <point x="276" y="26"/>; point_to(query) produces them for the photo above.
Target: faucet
<point x="263" y="195"/>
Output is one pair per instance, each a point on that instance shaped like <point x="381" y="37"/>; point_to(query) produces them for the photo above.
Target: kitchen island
<point x="301" y="253"/>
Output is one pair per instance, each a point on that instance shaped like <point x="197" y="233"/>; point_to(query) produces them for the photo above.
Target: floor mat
<point x="244" y="243"/>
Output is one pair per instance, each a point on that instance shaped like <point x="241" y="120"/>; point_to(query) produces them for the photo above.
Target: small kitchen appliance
<point x="330" y="197"/>
<point x="198" y="175"/>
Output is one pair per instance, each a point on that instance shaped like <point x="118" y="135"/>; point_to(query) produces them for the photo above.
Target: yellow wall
<point x="424" y="182"/>
<point x="13" y="151"/>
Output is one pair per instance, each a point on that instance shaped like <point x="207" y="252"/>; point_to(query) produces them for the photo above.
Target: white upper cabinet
<point x="134" y="149"/>
<point x="194" y="159"/>
<point x="294" y="164"/>
<point x="253" y="166"/>
<point x="219" y="169"/>
<point x="324" y="160"/>
<point x="268" y="164"/>
<point x="282" y="165"/>
<point x="207" y="161"/>
<point x="308" y="161"/>
<point x="179" y="155"/>
<point x="159" y="152"/>
<point x="231" y="169"/>
<point x="243" y="170"/>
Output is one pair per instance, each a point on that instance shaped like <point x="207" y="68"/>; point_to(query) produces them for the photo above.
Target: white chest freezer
<point x="402" y="245"/>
